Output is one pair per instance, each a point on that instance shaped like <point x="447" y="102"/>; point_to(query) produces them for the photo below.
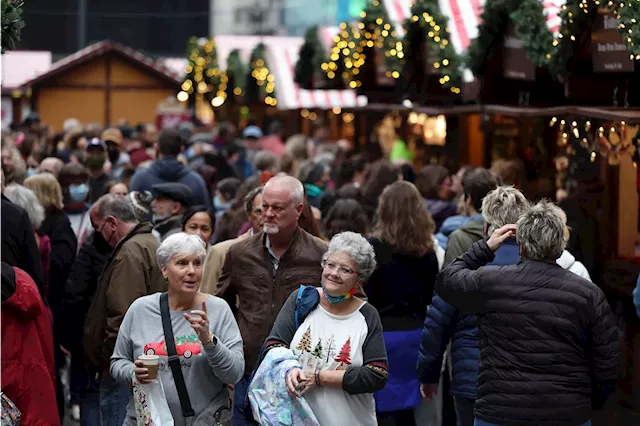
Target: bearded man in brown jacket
<point x="130" y="272"/>
<point x="264" y="269"/>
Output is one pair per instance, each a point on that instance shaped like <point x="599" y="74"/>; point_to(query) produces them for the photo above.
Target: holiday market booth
<point x="101" y="83"/>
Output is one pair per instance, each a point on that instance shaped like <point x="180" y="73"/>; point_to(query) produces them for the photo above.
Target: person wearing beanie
<point x="141" y="202"/>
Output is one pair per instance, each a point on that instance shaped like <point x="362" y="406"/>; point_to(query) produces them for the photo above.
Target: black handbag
<point x="222" y="417"/>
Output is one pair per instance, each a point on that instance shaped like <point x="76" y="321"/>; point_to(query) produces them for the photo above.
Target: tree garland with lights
<point x="628" y="12"/>
<point x="373" y="31"/>
<point x="203" y="75"/>
<point x="12" y="23"/>
<point x="260" y="82"/>
<point x="309" y="59"/>
<point x="428" y="21"/>
<point x="237" y="74"/>
<point x="529" y="20"/>
<point x="347" y="37"/>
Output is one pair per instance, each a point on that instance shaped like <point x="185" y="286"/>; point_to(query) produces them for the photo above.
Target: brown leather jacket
<point x="131" y="272"/>
<point x="247" y="274"/>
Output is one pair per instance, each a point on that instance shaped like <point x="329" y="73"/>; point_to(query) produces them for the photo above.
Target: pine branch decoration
<point x="12" y="23"/>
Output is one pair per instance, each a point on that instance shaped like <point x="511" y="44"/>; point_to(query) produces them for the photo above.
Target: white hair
<point x="503" y="206"/>
<point x="180" y="244"/>
<point x="356" y="246"/>
<point x="26" y="198"/>
<point x="540" y="232"/>
<point x="293" y="185"/>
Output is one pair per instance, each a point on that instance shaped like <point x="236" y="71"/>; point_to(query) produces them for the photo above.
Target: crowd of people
<point x="305" y="281"/>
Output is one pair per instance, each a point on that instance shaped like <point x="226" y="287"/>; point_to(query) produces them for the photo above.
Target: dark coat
<point x="445" y="323"/>
<point x="19" y="247"/>
<point x="549" y="344"/>
<point x="64" y="247"/>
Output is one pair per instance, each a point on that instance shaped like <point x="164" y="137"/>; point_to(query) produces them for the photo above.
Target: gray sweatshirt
<point x="206" y="369"/>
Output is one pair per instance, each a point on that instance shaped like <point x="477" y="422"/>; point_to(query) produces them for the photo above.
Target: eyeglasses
<point x="343" y="271"/>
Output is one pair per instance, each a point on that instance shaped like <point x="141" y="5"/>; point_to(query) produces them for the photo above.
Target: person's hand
<point x="142" y="372"/>
<point x="500" y="235"/>
<point x="65" y="351"/>
<point x="428" y="390"/>
<point x="200" y="324"/>
<point x="297" y="382"/>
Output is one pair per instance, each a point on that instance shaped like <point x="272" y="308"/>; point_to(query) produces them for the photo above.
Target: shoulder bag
<point x="222" y="417"/>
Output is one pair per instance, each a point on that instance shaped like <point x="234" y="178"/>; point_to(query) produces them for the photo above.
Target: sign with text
<point x="516" y="63"/>
<point x="609" y="50"/>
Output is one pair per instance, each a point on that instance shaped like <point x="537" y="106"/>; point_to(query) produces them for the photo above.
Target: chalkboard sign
<point x="610" y="53"/>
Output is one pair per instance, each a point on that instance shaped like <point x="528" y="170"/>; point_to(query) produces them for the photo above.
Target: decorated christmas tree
<point x="12" y="23"/>
<point x="260" y="82"/>
<point x="305" y="342"/>
<point x="344" y="357"/>
<point x="428" y="25"/>
<point x="236" y="73"/>
<point x="203" y="74"/>
<point x="318" y="351"/>
<point x="309" y="59"/>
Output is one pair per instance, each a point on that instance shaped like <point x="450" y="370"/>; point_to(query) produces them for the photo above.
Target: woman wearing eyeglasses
<point x="339" y="344"/>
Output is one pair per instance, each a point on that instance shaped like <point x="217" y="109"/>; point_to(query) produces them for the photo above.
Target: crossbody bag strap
<point x="174" y="359"/>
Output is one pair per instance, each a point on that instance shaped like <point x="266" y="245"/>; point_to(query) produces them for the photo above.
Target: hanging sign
<point x="516" y="63"/>
<point x="609" y="51"/>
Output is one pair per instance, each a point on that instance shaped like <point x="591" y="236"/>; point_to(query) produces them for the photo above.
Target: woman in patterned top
<point x="339" y="343"/>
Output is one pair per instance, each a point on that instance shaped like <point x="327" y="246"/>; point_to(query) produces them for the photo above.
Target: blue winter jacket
<point x="445" y="323"/>
<point x="451" y="224"/>
<point x="171" y="170"/>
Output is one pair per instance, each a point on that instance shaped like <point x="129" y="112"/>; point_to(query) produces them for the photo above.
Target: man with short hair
<point x="119" y="159"/>
<point x="167" y="168"/>
<point x="169" y="203"/>
<point x="263" y="270"/>
<point x="444" y="323"/>
<point x="217" y="254"/>
<point x="550" y="348"/>
<point x="51" y="165"/>
<point x="130" y="272"/>
<point x="94" y="161"/>
<point x="19" y="246"/>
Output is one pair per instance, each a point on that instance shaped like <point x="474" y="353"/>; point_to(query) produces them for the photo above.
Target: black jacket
<point x="79" y="291"/>
<point x="64" y="246"/>
<point x="549" y="344"/>
<point x="19" y="247"/>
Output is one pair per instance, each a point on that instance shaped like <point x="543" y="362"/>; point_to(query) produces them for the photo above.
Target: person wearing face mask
<point x="112" y="137"/>
<point x="73" y="180"/>
<point x="169" y="203"/>
<point x="95" y="159"/>
<point x="129" y="273"/>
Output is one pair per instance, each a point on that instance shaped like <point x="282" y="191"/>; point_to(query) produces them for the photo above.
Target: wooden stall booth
<point x="102" y="83"/>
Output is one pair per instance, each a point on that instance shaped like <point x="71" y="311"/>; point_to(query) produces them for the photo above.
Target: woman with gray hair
<point x="541" y="325"/>
<point x="339" y="343"/>
<point x="208" y="342"/>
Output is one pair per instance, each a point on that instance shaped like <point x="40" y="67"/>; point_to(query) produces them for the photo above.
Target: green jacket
<point x="461" y="240"/>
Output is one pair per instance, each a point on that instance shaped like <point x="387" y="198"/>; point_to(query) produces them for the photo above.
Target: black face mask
<point x="114" y="155"/>
<point x="101" y="244"/>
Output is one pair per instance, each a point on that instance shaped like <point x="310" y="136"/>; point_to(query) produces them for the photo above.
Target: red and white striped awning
<point x="282" y="57"/>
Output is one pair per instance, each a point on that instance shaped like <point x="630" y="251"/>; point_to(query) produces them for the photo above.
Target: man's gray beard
<point x="269" y="228"/>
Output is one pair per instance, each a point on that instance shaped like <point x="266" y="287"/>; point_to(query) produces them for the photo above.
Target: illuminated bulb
<point x="407" y="103"/>
<point x="237" y="91"/>
<point x="217" y="101"/>
<point x="553" y="121"/>
<point x="182" y="96"/>
<point x="593" y="156"/>
<point x="304" y="113"/>
<point x="576" y="133"/>
<point x="587" y="126"/>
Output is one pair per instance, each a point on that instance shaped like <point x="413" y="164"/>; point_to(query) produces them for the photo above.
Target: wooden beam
<point x="107" y="91"/>
<point x="114" y="87"/>
<point x="627" y="207"/>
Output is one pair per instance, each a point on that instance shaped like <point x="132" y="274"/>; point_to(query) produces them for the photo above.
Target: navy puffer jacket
<point x="445" y="323"/>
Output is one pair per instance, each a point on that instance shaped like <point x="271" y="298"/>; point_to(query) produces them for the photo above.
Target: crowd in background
<point x="88" y="210"/>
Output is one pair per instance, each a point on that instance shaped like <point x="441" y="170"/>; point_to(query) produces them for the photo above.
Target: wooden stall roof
<point x="100" y="48"/>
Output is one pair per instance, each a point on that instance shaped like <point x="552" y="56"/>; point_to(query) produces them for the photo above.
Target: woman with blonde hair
<point x="64" y="247"/>
<point x="401" y="289"/>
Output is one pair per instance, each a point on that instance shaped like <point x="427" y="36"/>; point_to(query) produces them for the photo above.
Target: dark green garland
<point x="376" y="10"/>
<point x="529" y="20"/>
<point x="629" y="29"/>
<point x="574" y="22"/>
<point x="442" y="50"/>
<point x="12" y="23"/>
<point x="236" y="72"/>
<point x="211" y="73"/>
<point x="309" y="59"/>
